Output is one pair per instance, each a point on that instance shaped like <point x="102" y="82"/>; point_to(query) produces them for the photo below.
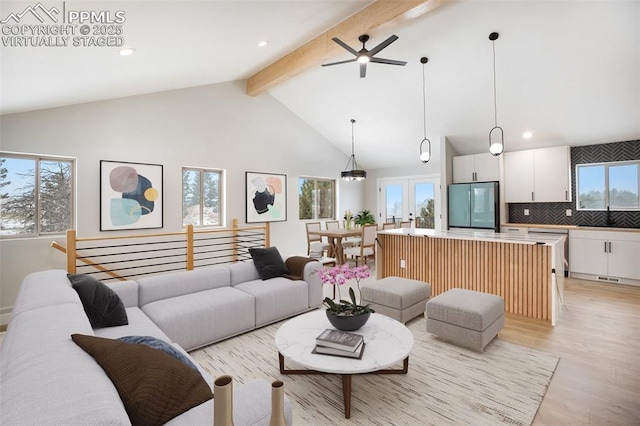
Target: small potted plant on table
<point x="364" y="217"/>
<point x="345" y="315"/>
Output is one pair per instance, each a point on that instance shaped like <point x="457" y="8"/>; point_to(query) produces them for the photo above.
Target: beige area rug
<point x="445" y="385"/>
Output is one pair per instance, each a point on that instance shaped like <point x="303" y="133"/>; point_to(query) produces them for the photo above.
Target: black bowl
<point x="347" y="322"/>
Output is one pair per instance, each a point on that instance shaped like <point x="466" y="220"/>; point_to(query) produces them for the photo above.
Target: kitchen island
<point x="526" y="270"/>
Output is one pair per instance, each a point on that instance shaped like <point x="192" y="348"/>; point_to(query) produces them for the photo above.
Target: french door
<point x="410" y="199"/>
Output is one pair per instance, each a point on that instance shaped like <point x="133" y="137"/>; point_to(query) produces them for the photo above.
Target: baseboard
<point x="605" y="279"/>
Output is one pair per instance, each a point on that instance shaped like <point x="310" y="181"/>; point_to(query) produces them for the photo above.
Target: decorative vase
<point x="347" y="322"/>
<point x="223" y="401"/>
<point x="277" y="404"/>
<point x="348" y="224"/>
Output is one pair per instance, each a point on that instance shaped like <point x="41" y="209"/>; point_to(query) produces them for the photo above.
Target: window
<point x="316" y="198"/>
<point x="608" y="185"/>
<point x="201" y="197"/>
<point x="36" y="195"/>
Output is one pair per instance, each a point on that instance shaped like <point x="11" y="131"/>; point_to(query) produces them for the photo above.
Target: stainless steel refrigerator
<point x="474" y="205"/>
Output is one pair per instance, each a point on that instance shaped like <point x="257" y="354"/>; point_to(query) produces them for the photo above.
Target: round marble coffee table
<point x="387" y="343"/>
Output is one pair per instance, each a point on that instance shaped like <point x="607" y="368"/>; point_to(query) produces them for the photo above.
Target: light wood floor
<point x="597" y="338"/>
<point x="597" y="381"/>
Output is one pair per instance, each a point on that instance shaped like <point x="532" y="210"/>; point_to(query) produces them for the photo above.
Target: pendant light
<point x="425" y="155"/>
<point x="496" y="135"/>
<point x="354" y="173"/>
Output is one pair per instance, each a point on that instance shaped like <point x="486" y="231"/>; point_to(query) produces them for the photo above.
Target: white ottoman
<point x="399" y="298"/>
<point x="465" y="317"/>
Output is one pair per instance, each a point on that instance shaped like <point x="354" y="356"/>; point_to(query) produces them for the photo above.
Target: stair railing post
<point x="71" y="251"/>
<point x="190" y="247"/>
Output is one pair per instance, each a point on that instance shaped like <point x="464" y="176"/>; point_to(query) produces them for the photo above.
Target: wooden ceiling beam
<point x="322" y="48"/>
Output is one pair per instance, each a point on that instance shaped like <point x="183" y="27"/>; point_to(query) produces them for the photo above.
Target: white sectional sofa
<point x="45" y="378"/>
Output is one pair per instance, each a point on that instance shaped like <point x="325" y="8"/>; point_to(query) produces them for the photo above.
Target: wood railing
<point x="129" y="256"/>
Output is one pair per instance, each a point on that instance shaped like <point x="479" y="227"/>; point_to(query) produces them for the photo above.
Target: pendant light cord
<point x="353" y="149"/>
<point x="495" y="96"/>
<point x="424" y="103"/>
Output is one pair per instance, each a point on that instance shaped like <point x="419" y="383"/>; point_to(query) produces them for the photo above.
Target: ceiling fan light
<point x="363" y="59"/>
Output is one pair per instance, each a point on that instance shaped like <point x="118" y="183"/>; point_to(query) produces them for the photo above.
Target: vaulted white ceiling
<point x="568" y="70"/>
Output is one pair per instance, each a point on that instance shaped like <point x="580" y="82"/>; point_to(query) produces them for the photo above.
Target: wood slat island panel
<point x="520" y="273"/>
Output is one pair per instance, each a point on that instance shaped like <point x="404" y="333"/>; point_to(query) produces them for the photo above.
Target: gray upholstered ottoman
<point x="466" y="318"/>
<point x="399" y="298"/>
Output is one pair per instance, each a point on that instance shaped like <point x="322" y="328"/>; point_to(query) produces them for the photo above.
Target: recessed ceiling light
<point x="527" y="135"/>
<point x="263" y="43"/>
<point x="127" y="51"/>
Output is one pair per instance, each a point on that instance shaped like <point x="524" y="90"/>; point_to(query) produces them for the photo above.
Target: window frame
<point x="607" y="201"/>
<point x="315" y="206"/>
<point x="221" y="196"/>
<point x="38" y="158"/>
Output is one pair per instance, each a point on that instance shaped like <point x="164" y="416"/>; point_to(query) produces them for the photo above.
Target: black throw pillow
<point x="103" y="306"/>
<point x="268" y="262"/>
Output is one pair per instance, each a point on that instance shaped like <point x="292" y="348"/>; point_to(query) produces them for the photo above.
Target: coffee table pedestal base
<point x="346" y="379"/>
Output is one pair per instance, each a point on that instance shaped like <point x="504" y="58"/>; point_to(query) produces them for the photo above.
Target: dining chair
<point x="332" y="224"/>
<point x="367" y="247"/>
<point x="315" y="246"/>
<point x="406" y="224"/>
<point x="388" y="225"/>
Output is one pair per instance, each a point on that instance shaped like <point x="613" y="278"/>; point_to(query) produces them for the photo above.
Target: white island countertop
<point x="477" y="235"/>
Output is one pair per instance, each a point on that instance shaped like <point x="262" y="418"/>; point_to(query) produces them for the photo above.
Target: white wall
<point x="215" y="126"/>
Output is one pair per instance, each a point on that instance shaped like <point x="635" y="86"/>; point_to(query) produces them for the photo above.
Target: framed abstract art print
<point x="130" y="195"/>
<point x="266" y="197"/>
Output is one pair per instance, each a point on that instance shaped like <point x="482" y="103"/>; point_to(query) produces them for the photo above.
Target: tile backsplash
<point x="555" y="213"/>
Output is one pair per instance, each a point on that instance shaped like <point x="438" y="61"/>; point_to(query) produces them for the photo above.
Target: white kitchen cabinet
<point x="518" y="176"/>
<point x="538" y="175"/>
<point x="476" y="168"/>
<point x="552" y="174"/>
<point x="610" y="256"/>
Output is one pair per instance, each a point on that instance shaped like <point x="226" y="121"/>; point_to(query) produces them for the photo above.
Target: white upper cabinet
<point x="537" y="175"/>
<point x="476" y="168"/>
<point x="552" y="174"/>
<point x="518" y="177"/>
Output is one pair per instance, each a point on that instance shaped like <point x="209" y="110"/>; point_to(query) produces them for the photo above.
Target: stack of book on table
<point x="339" y="343"/>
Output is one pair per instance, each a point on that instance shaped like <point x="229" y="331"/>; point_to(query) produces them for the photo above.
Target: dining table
<point x="334" y="238"/>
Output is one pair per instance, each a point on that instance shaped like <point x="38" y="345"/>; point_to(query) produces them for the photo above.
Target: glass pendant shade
<point x="496" y="141"/>
<point x="425" y="153"/>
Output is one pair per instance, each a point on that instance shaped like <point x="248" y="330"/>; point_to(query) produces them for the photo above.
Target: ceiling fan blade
<point x="382" y="45"/>
<point x="345" y="46"/>
<point x="388" y="61"/>
<point x="340" y="62"/>
<point x="363" y="70"/>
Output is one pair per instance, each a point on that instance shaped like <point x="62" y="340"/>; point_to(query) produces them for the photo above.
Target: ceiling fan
<point x="365" y="56"/>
